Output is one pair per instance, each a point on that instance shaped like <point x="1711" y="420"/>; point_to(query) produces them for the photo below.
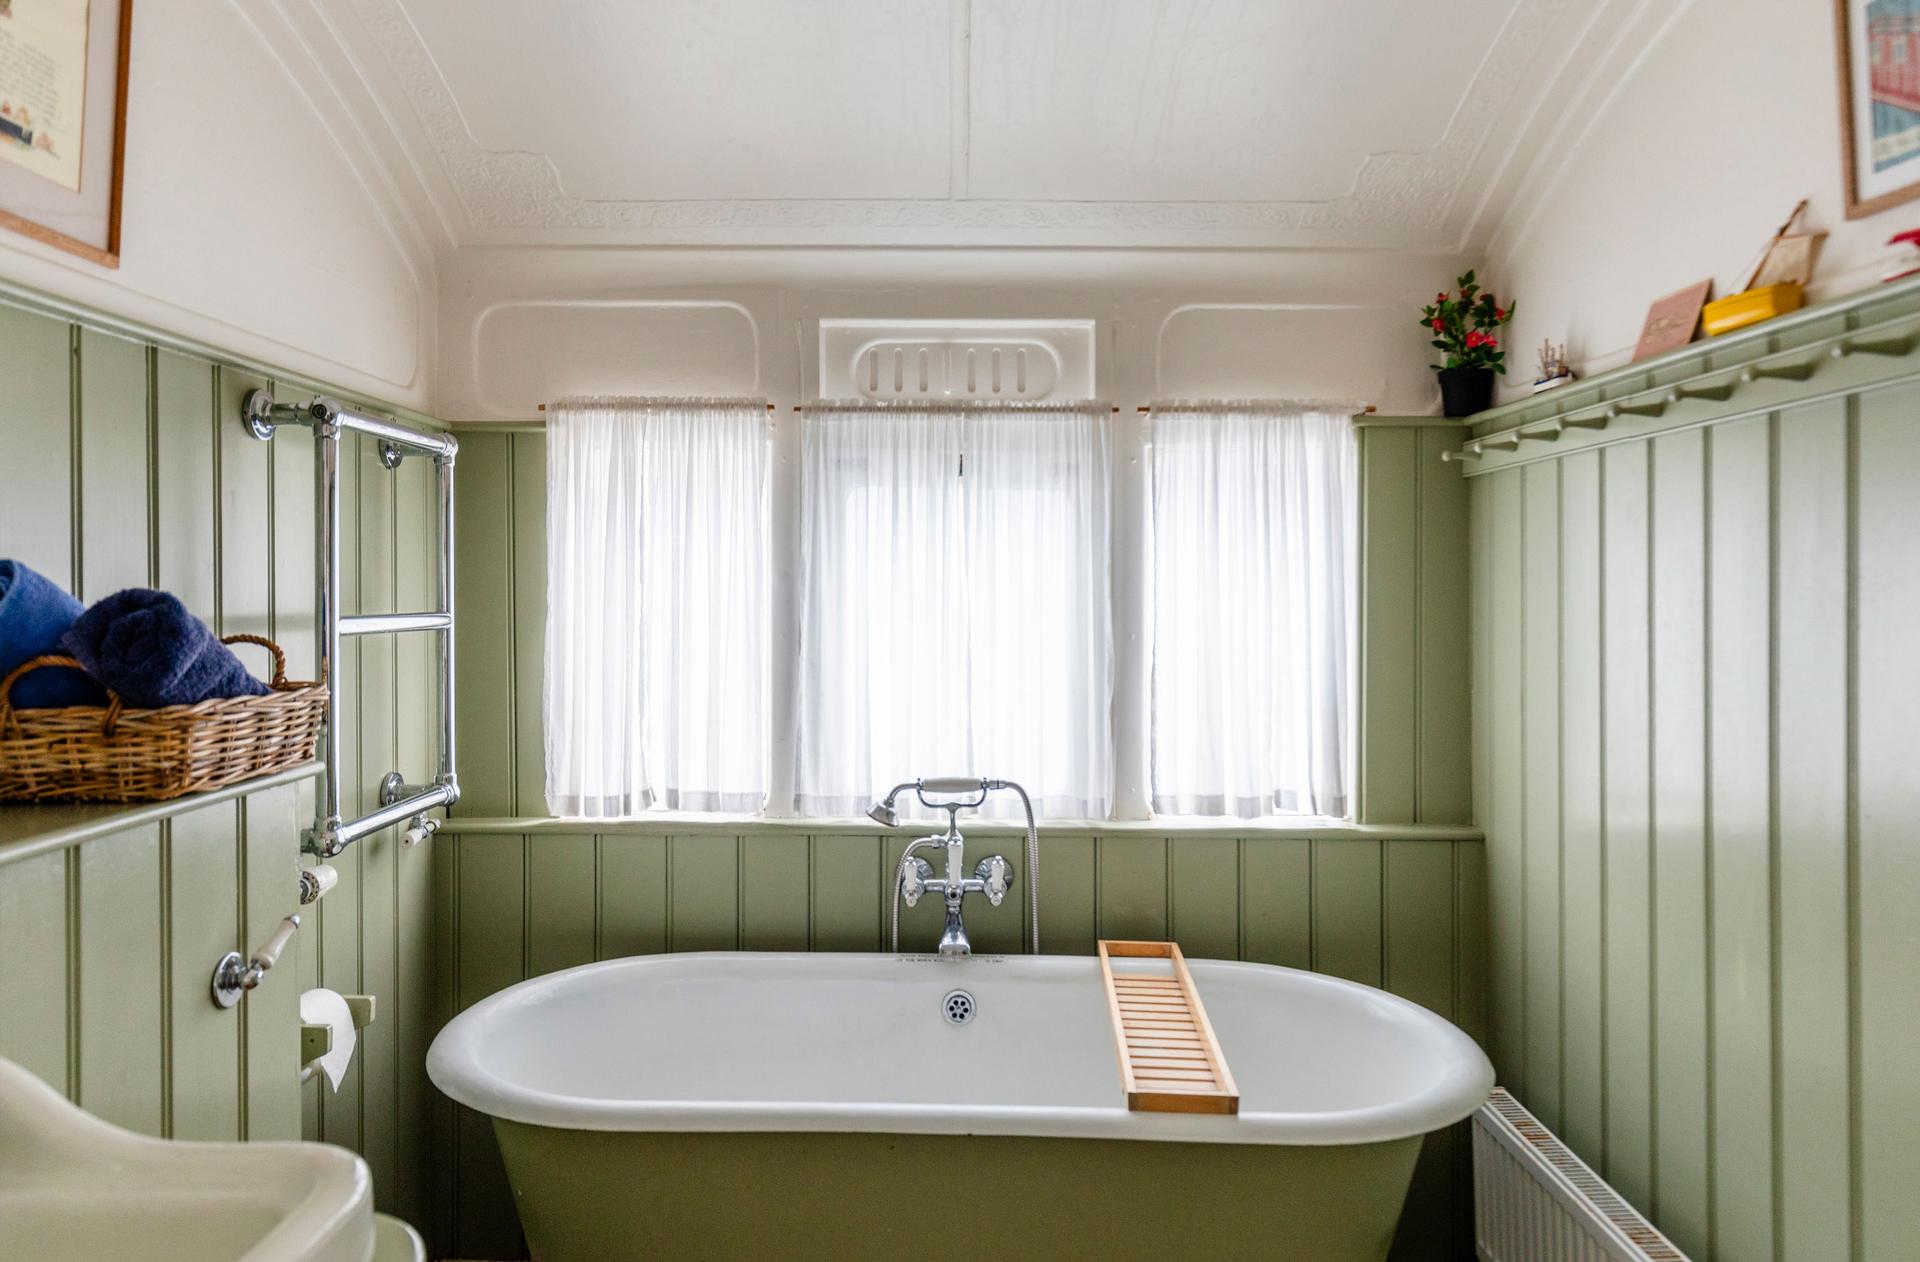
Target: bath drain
<point x="958" y="1007"/>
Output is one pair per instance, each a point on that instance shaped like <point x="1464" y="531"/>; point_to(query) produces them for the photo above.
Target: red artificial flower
<point x="1475" y="338"/>
<point x="1499" y="313"/>
<point x="1438" y="324"/>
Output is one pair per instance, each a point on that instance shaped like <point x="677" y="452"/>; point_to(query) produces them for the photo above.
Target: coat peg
<point x="1548" y="433"/>
<point x="1680" y="394"/>
<point x="1781" y="372"/>
<point x="1617" y="410"/>
<point x="1508" y="441"/>
<point x="1465" y="453"/>
<point x="1598" y="420"/>
<point x="1891" y="347"/>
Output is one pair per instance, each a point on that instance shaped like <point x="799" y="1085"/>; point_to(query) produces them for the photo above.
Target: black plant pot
<point x="1465" y="391"/>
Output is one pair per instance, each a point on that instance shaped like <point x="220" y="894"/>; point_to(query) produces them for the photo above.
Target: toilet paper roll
<point x="326" y="1007"/>
<point x="316" y="881"/>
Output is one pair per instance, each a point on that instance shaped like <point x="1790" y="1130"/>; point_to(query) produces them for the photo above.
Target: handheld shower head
<point x="882" y="812"/>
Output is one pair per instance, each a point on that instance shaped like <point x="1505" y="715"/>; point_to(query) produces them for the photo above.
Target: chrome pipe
<point x="351" y="831"/>
<point x="330" y="835"/>
<point x="262" y="416"/>
<point x="443" y="467"/>
<point x="383" y="623"/>
<point x="429" y="442"/>
<point x="326" y="604"/>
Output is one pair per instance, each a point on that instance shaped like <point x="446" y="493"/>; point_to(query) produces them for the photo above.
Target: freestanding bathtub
<point x="778" y="1106"/>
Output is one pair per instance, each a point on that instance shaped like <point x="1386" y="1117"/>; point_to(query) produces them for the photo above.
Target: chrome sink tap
<point x="993" y="876"/>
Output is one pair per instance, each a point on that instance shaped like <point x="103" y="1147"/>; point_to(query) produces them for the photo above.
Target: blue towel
<point x="34" y="614"/>
<point x="145" y="646"/>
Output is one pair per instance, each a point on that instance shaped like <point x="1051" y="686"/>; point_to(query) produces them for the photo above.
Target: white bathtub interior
<point x="820" y="1041"/>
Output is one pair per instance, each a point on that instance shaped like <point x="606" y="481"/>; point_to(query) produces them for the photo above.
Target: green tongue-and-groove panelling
<point x="122" y="464"/>
<point x="1697" y="665"/>
<point x="1400" y="904"/>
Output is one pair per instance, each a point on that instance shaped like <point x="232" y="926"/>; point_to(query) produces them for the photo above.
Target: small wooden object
<point x="1794" y="263"/>
<point x="1672" y="320"/>
<point x="1169" y="1060"/>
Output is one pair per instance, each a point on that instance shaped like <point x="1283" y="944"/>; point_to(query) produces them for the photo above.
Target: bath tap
<point x="993" y="876"/>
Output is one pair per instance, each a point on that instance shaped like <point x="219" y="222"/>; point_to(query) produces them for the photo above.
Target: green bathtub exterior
<point x="598" y="1196"/>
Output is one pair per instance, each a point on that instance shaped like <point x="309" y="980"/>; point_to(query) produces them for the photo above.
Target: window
<point x="1253" y="607"/>
<point x="943" y="592"/>
<point x="955" y="607"/>
<point x="656" y="608"/>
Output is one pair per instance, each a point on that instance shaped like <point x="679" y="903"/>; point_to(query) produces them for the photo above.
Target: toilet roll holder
<point x="234" y="976"/>
<point x="317" y="1040"/>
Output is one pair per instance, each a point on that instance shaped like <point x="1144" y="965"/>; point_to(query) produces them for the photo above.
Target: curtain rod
<point x="1369" y="410"/>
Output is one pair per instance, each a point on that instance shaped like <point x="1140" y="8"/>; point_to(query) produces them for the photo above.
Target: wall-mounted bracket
<point x="1779" y="372"/>
<point x="1717" y="394"/>
<point x="316" y="1040"/>
<point x="1892" y="347"/>
<point x="256" y="410"/>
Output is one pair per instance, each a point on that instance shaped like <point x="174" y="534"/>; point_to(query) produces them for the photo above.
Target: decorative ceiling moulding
<point x="1396" y="200"/>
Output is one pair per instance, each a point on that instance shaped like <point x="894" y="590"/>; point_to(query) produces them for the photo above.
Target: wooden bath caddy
<point x="1169" y="1060"/>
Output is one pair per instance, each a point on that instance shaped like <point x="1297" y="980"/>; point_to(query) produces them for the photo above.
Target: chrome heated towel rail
<point x="329" y="421"/>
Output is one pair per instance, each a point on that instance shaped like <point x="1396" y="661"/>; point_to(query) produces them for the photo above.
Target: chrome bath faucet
<point x="992" y="876"/>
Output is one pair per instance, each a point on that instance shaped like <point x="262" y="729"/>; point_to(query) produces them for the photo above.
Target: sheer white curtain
<point x="656" y="615"/>
<point x="955" y="606"/>
<point x="1254" y="563"/>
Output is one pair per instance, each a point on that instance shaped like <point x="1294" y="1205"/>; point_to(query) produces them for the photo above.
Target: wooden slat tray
<point x="1169" y="1060"/>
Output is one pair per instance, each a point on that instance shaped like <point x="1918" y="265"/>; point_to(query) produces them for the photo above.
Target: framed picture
<point x="1878" y="47"/>
<point x="63" y="108"/>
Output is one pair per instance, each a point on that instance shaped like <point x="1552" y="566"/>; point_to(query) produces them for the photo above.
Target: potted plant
<point x="1462" y="328"/>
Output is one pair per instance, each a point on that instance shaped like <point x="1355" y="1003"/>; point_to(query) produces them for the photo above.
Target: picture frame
<point x="1876" y="47"/>
<point x="62" y="168"/>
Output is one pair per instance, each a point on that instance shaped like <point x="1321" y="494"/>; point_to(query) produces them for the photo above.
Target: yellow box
<point x="1737" y="311"/>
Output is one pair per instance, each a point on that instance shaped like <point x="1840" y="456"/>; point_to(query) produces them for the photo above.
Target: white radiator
<point x="1534" y="1201"/>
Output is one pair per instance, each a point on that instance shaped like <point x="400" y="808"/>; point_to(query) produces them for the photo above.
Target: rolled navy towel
<point x="34" y="614"/>
<point x="145" y="646"/>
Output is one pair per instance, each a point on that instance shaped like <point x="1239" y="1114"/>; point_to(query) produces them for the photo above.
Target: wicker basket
<point x="114" y="754"/>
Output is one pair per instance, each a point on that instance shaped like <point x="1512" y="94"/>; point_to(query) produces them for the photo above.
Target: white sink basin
<point x="74" y="1187"/>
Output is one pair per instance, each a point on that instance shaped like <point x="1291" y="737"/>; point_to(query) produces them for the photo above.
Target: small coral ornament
<point x="1553" y="367"/>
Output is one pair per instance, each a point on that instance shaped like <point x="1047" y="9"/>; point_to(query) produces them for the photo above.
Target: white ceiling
<point x="1354" y="123"/>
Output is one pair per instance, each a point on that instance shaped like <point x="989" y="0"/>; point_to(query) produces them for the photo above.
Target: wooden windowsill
<point x="688" y="823"/>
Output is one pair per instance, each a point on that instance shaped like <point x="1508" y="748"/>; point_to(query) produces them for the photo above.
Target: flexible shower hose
<point x="899" y="878"/>
<point x="1033" y="867"/>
